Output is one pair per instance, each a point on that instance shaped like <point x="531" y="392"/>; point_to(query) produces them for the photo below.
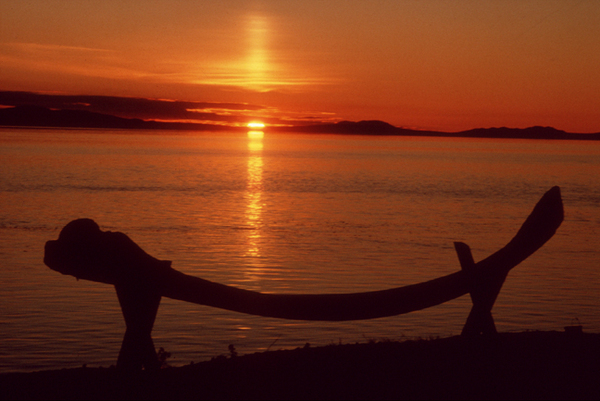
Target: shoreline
<point x="525" y="365"/>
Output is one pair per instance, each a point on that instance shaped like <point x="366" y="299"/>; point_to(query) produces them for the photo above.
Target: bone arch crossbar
<point x="84" y="251"/>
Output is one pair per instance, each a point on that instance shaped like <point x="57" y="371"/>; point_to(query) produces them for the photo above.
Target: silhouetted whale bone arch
<point x="84" y="251"/>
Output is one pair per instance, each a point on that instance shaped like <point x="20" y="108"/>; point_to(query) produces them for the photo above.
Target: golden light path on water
<point x="254" y="204"/>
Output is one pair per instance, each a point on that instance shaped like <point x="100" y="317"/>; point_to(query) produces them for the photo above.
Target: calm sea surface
<point x="287" y="214"/>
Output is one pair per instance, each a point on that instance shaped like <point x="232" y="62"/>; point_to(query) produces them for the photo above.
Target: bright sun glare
<point x="256" y="125"/>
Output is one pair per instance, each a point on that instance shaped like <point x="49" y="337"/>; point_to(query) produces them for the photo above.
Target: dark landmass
<point x="375" y="127"/>
<point x="37" y="116"/>
<point x="525" y="133"/>
<point x="528" y="365"/>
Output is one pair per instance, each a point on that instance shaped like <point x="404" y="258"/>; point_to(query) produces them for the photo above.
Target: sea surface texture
<point x="285" y="213"/>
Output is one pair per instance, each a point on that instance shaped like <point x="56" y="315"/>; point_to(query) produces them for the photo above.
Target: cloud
<point x="160" y="109"/>
<point x="77" y="60"/>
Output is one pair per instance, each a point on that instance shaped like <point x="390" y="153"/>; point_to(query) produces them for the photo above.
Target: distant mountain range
<point x="36" y="116"/>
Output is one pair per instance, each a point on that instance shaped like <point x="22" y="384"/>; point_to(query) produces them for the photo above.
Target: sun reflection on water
<point x="254" y="204"/>
<point x="255" y="144"/>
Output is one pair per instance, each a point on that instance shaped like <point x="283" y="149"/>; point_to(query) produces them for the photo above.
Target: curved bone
<point x="84" y="251"/>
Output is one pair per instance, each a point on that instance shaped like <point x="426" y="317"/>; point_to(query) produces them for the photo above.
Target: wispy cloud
<point x="163" y="109"/>
<point x="82" y="61"/>
<point x="248" y="74"/>
<point x="36" y="48"/>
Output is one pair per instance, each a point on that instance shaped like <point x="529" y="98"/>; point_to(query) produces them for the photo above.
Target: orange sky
<point x="444" y="65"/>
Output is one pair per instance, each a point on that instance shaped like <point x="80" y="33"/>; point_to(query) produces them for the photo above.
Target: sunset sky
<point x="442" y="65"/>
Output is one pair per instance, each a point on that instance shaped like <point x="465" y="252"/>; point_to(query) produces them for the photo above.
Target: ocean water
<point x="285" y="213"/>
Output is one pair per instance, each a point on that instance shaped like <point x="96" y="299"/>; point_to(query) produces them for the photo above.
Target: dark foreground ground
<point x="529" y="365"/>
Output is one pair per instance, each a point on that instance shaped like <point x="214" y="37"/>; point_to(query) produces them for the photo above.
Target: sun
<point x="256" y="125"/>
